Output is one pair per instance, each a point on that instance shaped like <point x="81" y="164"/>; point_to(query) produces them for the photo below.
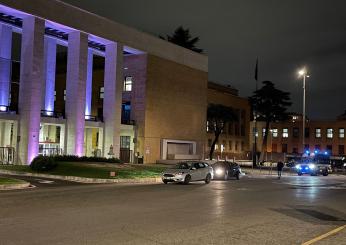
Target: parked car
<point x="188" y="171"/>
<point x="226" y="170"/>
<point x="313" y="169"/>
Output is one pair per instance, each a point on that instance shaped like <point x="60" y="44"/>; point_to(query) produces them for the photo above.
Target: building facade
<point x="95" y="87"/>
<point x="234" y="140"/>
<point x="287" y="137"/>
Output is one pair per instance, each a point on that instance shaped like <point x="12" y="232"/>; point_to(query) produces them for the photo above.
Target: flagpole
<point x="254" y="155"/>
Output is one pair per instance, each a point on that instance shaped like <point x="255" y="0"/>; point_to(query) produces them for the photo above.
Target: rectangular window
<point x="284" y="148"/>
<point x="341" y="150"/>
<point x="295" y="150"/>
<point x="230" y="128"/>
<point x="125" y="142"/>
<point x="329" y="149"/>
<point x="263" y="132"/>
<point x="307" y="132"/>
<point x="207" y="126"/>
<point x="224" y="143"/>
<point x="236" y="146"/>
<point x="295" y="132"/>
<point x="329" y="133"/>
<point x="128" y="84"/>
<point x="285" y="133"/>
<point x="318" y="133"/>
<point x="274" y="148"/>
<point x="341" y="133"/>
<point x="275" y="132"/>
<point x="126" y="113"/>
<point x="64" y="94"/>
<point x="230" y="145"/>
<point x="242" y="130"/>
<point x="102" y="92"/>
<point x="242" y="146"/>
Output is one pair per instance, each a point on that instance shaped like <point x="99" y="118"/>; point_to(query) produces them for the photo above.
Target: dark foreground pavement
<point x="253" y="210"/>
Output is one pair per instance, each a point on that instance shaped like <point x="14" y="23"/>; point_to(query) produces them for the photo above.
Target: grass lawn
<point x="97" y="170"/>
<point x="9" y="181"/>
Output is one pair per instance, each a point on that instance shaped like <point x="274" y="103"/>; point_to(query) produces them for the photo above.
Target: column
<point x="5" y="65"/>
<point x="113" y="84"/>
<point x="75" y="91"/>
<point x="31" y="79"/>
<point x="5" y="133"/>
<point x="48" y="86"/>
<point x="88" y="94"/>
<point x="88" y="142"/>
<point x="62" y="139"/>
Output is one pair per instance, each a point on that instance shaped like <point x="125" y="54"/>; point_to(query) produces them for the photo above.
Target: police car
<point x="314" y="164"/>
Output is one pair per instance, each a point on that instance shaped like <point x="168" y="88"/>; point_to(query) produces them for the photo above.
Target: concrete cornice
<point x="71" y="16"/>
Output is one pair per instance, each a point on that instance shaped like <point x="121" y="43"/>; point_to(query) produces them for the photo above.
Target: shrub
<point x="73" y="158"/>
<point x="43" y="163"/>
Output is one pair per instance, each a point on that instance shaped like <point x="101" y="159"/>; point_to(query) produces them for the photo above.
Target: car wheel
<point x="207" y="179"/>
<point x="300" y="174"/>
<point x="187" y="179"/>
<point x="165" y="181"/>
<point x="325" y="173"/>
<point x="237" y="175"/>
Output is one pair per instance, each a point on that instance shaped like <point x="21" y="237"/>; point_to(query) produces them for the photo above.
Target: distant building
<point x="286" y="137"/>
<point x="234" y="141"/>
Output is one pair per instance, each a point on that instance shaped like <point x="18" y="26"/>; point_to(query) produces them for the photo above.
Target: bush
<point x="43" y="163"/>
<point x="73" y="158"/>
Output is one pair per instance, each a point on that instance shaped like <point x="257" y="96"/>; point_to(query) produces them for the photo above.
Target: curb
<point x="14" y="186"/>
<point x="83" y="179"/>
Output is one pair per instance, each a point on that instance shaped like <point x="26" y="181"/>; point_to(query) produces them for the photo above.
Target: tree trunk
<point x="265" y="140"/>
<point x="212" y="147"/>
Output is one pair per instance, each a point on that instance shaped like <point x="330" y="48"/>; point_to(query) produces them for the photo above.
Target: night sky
<point x="285" y="35"/>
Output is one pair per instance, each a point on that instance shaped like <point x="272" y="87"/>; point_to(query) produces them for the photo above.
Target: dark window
<point x="274" y="148"/>
<point x="329" y="149"/>
<point x="306" y="147"/>
<point x="242" y="129"/>
<point x="307" y="132"/>
<point x="295" y="132"/>
<point x="230" y="128"/>
<point x="295" y="150"/>
<point x="236" y="146"/>
<point x="230" y="145"/>
<point x="284" y="148"/>
<point x="126" y="113"/>
<point x="341" y="149"/>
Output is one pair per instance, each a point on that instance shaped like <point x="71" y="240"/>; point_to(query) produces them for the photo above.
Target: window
<point x="318" y="133"/>
<point x="274" y="148"/>
<point x="224" y="145"/>
<point x="295" y="132"/>
<point x="329" y="133"/>
<point x="126" y="113"/>
<point x="242" y="146"/>
<point x="341" y="150"/>
<point x="236" y="146"/>
<point x="64" y="94"/>
<point x="329" y="149"/>
<point x="125" y="142"/>
<point x="284" y="148"/>
<point x="295" y="150"/>
<point x="307" y="132"/>
<point x="284" y="133"/>
<point x="275" y="132"/>
<point x="230" y="145"/>
<point x="230" y="128"/>
<point x="242" y="130"/>
<point x="128" y="84"/>
<point x="102" y="92"/>
<point x="207" y="126"/>
<point x="263" y="132"/>
<point x="209" y="142"/>
<point x="341" y="133"/>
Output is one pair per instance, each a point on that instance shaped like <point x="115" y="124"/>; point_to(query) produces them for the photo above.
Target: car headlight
<point x="312" y="166"/>
<point x="219" y="171"/>
<point x="298" y="166"/>
<point x="180" y="173"/>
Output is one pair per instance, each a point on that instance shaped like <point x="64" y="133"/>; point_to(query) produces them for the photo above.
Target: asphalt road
<point x="254" y="210"/>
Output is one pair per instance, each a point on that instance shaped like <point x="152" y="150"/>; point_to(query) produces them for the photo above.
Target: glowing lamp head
<point x="219" y="171"/>
<point x="312" y="166"/>
<point x="298" y="166"/>
<point x="302" y="72"/>
<point x="3" y="108"/>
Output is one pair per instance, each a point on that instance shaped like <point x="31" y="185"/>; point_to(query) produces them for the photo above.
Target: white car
<point x="188" y="171"/>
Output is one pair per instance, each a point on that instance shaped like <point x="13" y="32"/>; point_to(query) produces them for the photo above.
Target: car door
<point x="203" y="171"/>
<point x="195" y="171"/>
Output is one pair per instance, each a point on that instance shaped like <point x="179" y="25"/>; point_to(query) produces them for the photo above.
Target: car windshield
<point x="183" y="165"/>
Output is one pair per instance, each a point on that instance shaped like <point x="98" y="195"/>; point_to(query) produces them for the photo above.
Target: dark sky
<point x="285" y="35"/>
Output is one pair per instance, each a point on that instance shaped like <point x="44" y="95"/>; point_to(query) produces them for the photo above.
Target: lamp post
<point x="303" y="73"/>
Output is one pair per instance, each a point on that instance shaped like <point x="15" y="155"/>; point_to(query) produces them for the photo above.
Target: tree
<point x="270" y="105"/>
<point x="182" y="37"/>
<point x="218" y="116"/>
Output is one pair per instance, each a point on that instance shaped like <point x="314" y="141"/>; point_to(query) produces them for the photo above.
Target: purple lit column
<point x="88" y="94"/>
<point x="75" y="91"/>
<point x="49" y="84"/>
<point x="113" y="83"/>
<point x="5" y="65"/>
<point x="31" y="79"/>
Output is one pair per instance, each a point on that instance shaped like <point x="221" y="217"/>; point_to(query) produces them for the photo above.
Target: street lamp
<point x="303" y="73"/>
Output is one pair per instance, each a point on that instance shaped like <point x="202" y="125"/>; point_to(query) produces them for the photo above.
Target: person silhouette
<point x="280" y="166"/>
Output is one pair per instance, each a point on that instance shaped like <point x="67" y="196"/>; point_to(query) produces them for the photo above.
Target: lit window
<point x="102" y="92"/>
<point x="329" y="133"/>
<point x="128" y="84"/>
<point x="285" y="133"/>
<point x="207" y="126"/>
<point x="275" y="132"/>
<point x="341" y="133"/>
<point x="64" y="94"/>
<point x="317" y="132"/>
<point x="263" y="132"/>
